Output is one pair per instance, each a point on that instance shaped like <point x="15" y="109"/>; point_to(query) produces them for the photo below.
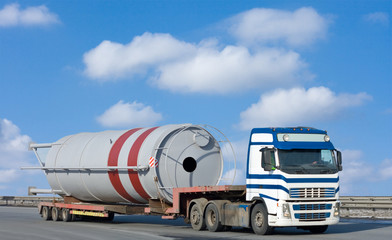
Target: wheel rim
<point x="64" y="214"/>
<point x="259" y="219"/>
<point x="211" y="218"/>
<point x="55" y="214"/>
<point x="195" y="217"/>
<point x="45" y="212"/>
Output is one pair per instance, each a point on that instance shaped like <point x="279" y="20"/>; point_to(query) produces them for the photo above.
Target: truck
<point x="291" y="178"/>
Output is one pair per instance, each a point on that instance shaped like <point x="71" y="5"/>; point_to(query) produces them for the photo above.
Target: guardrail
<point x="366" y="207"/>
<point x="25" y="201"/>
<point x="351" y="207"/>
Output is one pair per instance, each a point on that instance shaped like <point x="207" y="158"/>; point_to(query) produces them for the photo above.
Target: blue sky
<point x="87" y="66"/>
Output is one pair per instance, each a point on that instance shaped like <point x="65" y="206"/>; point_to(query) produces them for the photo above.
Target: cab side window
<point x="273" y="162"/>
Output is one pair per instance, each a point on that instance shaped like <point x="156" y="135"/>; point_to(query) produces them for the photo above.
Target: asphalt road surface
<point x="25" y="223"/>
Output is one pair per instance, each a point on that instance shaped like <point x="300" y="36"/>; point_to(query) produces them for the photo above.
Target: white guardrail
<point x="25" y="201"/>
<point x="351" y="207"/>
<point x="366" y="207"/>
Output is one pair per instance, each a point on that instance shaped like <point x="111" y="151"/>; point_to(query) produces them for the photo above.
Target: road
<point x="25" y="223"/>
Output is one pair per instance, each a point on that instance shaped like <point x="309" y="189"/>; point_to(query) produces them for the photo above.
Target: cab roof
<point x="288" y="130"/>
<point x="292" y="144"/>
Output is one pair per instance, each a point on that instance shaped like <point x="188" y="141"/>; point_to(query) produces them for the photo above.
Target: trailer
<point x="291" y="178"/>
<point x="186" y="203"/>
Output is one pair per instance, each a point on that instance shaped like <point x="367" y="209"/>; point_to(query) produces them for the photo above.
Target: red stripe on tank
<point x="132" y="161"/>
<point x="113" y="162"/>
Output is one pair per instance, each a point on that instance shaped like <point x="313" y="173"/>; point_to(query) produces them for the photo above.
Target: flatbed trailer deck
<point x="182" y="198"/>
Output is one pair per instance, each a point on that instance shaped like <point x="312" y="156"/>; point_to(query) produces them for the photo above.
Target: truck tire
<point x="259" y="220"/>
<point x="55" y="214"/>
<point x="66" y="215"/>
<point x="46" y="213"/>
<point x="196" y="218"/>
<point x="212" y="219"/>
<point x="318" y="229"/>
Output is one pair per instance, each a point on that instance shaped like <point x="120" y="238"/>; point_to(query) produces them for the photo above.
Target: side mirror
<point x="266" y="159"/>
<point x="339" y="159"/>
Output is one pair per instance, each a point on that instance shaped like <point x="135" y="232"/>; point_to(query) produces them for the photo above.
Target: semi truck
<point x="174" y="171"/>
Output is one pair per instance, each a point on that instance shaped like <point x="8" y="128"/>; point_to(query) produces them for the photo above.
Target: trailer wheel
<point x="318" y="229"/>
<point x="196" y="218"/>
<point x="46" y="213"/>
<point x="212" y="218"/>
<point x="259" y="220"/>
<point x="55" y="214"/>
<point x="66" y="215"/>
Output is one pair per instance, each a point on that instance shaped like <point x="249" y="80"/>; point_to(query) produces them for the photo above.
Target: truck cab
<point x="294" y="173"/>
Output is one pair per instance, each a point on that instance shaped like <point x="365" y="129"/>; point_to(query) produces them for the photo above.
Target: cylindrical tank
<point x="134" y="165"/>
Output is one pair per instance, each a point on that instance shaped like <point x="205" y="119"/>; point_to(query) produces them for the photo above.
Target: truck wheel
<point x="259" y="220"/>
<point x="55" y="214"/>
<point x="46" y="213"/>
<point x="66" y="216"/>
<point x="318" y="229"/>
<point x="196" y="218"/>
<point x="212" y="218"/>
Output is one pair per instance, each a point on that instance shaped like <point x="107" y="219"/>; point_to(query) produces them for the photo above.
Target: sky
<point x="88" y="66"/>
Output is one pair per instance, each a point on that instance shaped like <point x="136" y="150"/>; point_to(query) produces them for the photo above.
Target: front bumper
<point x="305" y="214"/>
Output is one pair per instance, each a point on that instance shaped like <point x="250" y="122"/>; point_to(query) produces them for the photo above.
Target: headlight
<point x="286" y="137"/>
<point x="336" y="212"/>
<point x="286" y="210"/>
<point x="326" y="138"/>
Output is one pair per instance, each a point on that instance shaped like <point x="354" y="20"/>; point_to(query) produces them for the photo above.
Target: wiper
<point x="317" y="165"/>
<point x="303" y="169"/>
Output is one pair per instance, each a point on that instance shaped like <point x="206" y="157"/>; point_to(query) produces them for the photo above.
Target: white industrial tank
<point x="133" y="165"/>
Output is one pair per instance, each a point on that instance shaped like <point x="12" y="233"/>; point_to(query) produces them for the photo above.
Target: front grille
<point x="312" y="216"/>
<point x="297" y="207"/>
<point x="312" y="192"/>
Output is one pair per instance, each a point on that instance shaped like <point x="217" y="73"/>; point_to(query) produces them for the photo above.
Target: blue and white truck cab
<point x="294" y="171"/>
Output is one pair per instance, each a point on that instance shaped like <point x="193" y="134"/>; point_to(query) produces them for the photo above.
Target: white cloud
<point x="11" y="15"/>
<point x="112" y="60"/>
<point x="354" y="167"/>
<point x="13" y="154"/>
<point x="13" y="145"/>
<point x="124" y="114"/>
<point x="298" y="106"/>
<point x="360" y="173"/>
<point x="8" y="175"/>
<point x="298" y="28"/>
<point x="240" y="149"/>
<point x="185" y="67"/>
<point x="235" y="177"/>
<point x="355" y="170"/>
<point x="231" y="69"/>
<point x="237" y="172"/>
<point x="386" y="169"/>
<point x="377" y="17"/>
<point x="213" y="67"/>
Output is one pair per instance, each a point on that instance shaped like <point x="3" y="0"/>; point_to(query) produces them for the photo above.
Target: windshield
<point x="307" y="161"/>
